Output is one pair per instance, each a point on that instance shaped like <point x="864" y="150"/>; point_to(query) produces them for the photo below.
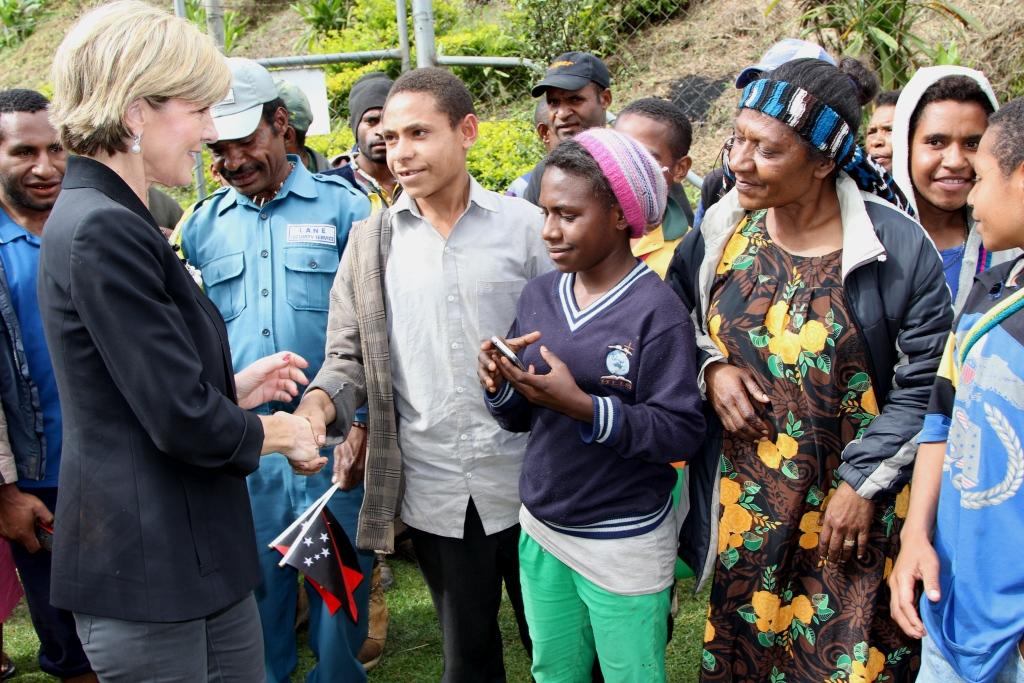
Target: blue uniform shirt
<point x="269" y="270"/>
<point x="19" y="250"/>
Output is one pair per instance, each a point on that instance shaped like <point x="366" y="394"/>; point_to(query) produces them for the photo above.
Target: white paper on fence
<point x="312" y="81"/>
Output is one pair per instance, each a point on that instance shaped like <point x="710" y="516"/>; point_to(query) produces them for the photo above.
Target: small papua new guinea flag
<point x="326" y="556"/>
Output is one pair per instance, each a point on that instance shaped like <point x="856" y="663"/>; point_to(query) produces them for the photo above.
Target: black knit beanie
<point x="369" y="92"/>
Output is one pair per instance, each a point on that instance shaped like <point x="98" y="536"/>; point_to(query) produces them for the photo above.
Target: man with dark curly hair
<point x="32" y="163"/>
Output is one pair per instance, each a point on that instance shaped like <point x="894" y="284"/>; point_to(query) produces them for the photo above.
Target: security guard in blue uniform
<point x="267" y="249"/>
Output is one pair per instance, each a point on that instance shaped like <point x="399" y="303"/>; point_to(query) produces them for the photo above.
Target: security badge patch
<point x="315" y="233"/>
<point x="618" y="363"/>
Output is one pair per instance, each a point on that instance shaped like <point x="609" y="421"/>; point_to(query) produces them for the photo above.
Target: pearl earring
<point x="136" y="146"/>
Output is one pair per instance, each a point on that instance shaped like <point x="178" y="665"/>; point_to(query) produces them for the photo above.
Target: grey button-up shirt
<point x="445" y="296"/>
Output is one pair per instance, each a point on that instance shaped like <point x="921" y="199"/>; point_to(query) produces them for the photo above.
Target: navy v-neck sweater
<point x="633" y="351"/>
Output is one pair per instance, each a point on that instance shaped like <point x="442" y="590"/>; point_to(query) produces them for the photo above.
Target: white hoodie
<point x="909" y="97"/>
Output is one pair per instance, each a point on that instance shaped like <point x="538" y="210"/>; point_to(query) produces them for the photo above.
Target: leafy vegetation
<point x="235" y="24"/>
<point x="887" y="32"/>
<point x="506" y="149"/>
<point x="18" y="19"/>
<point x="372" y="25"/>
<point x="551" y="27"/>
<point x="323" y="17"/>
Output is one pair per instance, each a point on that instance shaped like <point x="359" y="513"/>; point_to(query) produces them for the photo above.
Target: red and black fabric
<point x="326" y="556"/>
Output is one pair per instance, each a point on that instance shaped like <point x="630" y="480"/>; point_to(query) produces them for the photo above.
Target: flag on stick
<point x="286" y="540"/>
<point x="317" y="546"/>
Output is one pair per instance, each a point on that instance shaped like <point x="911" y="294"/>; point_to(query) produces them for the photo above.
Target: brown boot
<point x="377" y="633"/>
<point x="387" y="575"/>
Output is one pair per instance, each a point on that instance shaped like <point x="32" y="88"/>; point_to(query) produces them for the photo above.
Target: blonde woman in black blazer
<point x="154" y="547"/>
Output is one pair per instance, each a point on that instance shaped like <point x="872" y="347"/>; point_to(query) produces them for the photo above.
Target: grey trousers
<point x="224" y="647"/>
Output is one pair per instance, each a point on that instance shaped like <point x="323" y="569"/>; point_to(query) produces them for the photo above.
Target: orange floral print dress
<point x="778" y="612"/>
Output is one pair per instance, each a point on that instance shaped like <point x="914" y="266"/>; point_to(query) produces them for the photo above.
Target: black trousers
<point x="464" y="576"/>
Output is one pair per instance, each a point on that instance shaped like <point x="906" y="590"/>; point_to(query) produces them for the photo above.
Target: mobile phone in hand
<point x="44" y="534"/>
<point x="504" y="350"/>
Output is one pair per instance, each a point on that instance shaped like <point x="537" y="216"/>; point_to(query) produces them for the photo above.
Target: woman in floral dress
<point x="821" y="313"/>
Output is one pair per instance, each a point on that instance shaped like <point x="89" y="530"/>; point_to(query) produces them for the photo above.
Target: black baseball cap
<point x="572" y="71"/>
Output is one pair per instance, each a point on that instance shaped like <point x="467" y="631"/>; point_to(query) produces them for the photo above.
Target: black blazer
<point x="153" y="521"/>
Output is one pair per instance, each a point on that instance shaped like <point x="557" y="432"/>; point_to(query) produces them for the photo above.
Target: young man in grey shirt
<point x="420" y="286"/>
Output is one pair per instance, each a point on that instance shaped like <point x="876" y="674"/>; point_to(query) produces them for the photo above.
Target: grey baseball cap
<point x="295" y="101"/>
<point x="785" y="50"/>
<point x="238" y="114"/>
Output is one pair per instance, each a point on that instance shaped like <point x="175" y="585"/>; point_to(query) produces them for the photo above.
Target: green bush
<point x="548" y="28"/>
<point x="505" y="149"/>
<point x="885" y="32"/>
<point x="337" y="141"/>
<point x="372" y="25"/>
<point x="322" y="17"/>
<point x="496" y="84"/>
<point x="18" y="20"/>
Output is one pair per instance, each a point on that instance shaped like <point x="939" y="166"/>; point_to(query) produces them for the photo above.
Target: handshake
<point x="296" y="438"/>
<point x="300" y="436"/>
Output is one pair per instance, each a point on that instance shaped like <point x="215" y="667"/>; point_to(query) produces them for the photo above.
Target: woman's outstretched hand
<point x="272" y="378"/>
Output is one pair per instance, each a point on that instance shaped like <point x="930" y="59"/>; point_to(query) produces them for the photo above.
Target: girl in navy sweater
<point x="610" y="397"/>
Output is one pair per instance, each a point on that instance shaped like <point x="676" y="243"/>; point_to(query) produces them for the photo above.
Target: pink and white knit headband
<point x="633" y="174"/>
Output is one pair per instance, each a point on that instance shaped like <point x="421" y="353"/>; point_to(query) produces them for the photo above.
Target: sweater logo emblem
<point x="617" y="362"/>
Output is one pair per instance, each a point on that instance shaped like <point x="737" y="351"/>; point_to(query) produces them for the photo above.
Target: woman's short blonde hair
<point x="119" y="53"/>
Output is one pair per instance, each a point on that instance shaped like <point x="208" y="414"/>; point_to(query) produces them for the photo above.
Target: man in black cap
<point x="369" y="164"/>
<point x="576" y="87"/>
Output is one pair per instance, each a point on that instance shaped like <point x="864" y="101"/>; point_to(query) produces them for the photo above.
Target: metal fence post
<point x="423" y="32"/>
<point x="179" y="11"/>
<point x="215" y="22"/>
<point x="403" y="35"/>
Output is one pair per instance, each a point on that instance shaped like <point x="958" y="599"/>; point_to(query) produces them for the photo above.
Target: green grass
<point x="413" y="652"/>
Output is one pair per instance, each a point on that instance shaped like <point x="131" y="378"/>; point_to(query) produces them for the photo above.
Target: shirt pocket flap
<point x="223" y="268"/>
<point x="311" y="259"/>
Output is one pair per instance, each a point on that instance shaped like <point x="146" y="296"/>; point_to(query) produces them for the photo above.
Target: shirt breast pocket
<point x="225" y="285"/>
<point x="309" y="274"/>
<point x="496" y="306"/>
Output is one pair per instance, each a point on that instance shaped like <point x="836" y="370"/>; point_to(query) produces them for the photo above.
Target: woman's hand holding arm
<point x="732" y="392"/>
<point x="845" y="525"/>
